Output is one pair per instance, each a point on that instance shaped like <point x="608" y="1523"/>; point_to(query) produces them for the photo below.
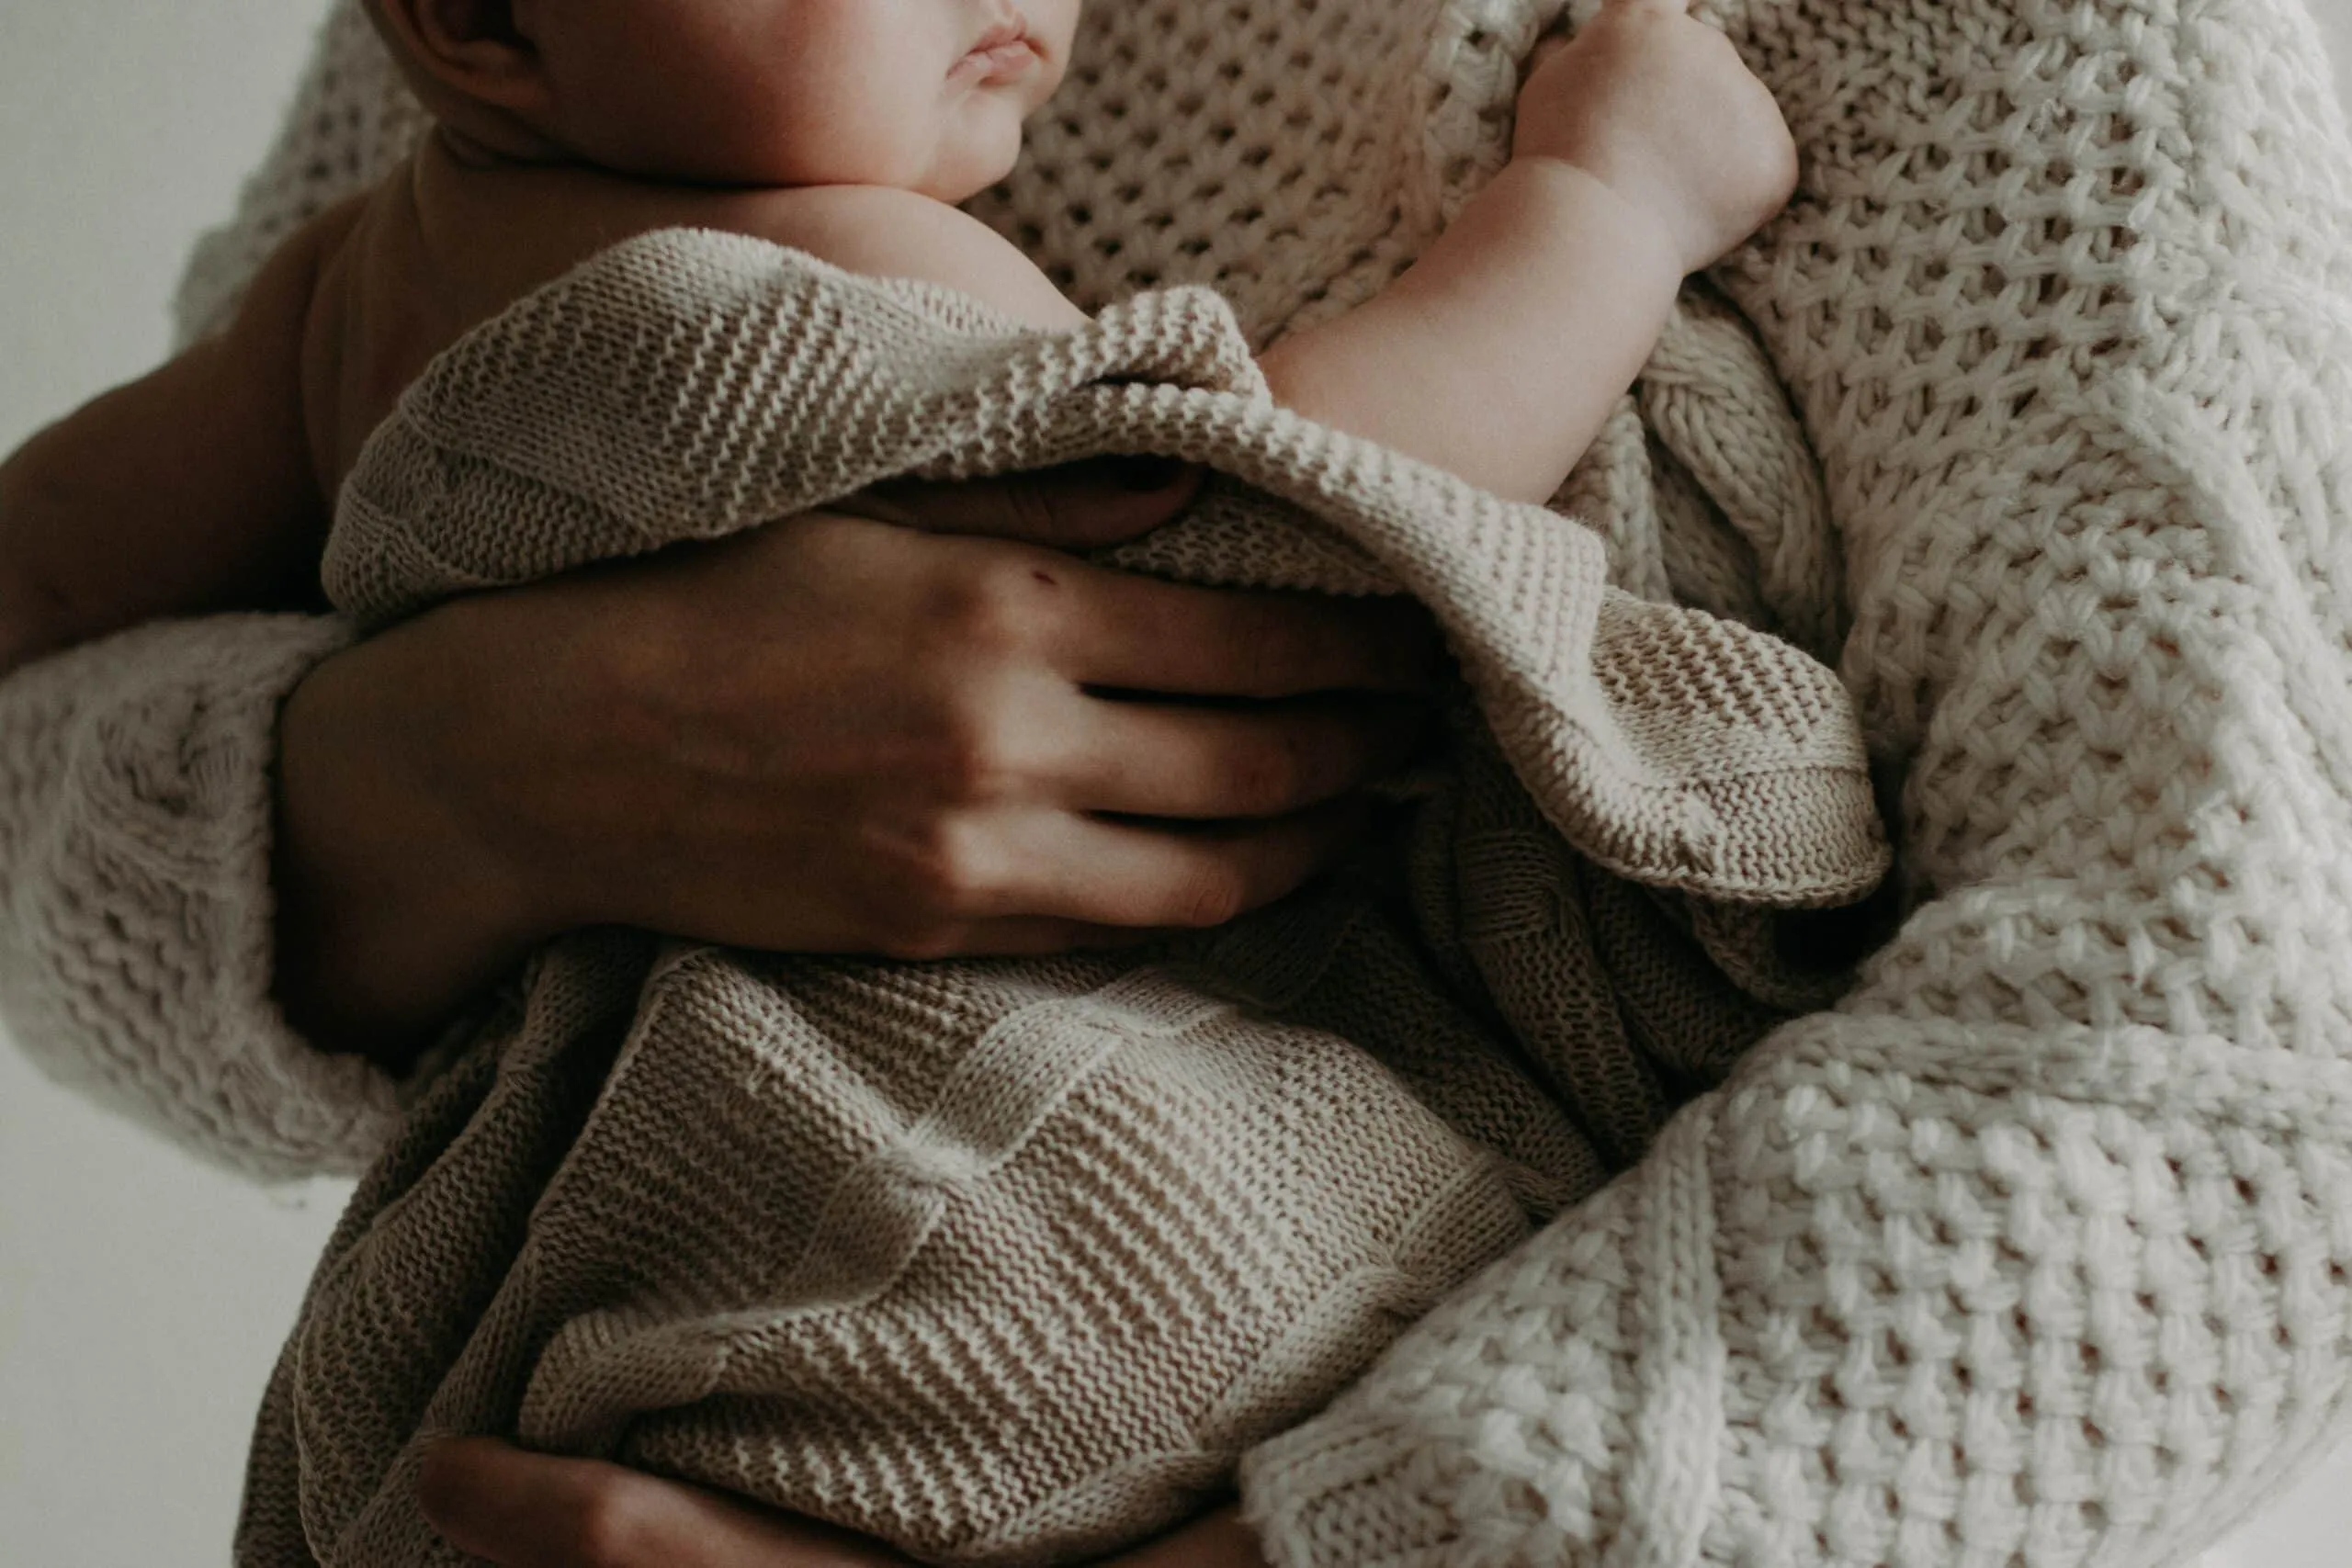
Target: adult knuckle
<point x="973" y="756"/>
<point x="952" y="869"/>
<point x="613" y="1526"/>
<point x="995" y="608"/>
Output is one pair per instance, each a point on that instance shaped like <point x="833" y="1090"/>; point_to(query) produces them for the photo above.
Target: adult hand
<point x="832" y="734"/>
<point x="526" y="1510"/>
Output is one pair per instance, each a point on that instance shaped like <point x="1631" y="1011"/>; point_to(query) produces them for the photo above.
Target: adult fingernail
<point x="1148" y="475"/>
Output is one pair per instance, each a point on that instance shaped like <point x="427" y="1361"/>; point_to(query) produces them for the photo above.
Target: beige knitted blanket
<point x="1010" y="1262"/>
<point x="2030" y="1252"/>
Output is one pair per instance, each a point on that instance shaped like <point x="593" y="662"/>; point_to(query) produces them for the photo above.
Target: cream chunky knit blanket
<point x="2032" y="1250"/>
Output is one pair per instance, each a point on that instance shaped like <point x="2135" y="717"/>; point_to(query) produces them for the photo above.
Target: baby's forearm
<point x="71" y="563"/>
<point x="39" y="608"/>
<point x="186" y="492"/>
<point x="1498" y="355"/>
<point x="151" y="500"/>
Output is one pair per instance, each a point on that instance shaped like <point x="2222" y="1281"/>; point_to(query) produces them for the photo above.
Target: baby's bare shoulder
<point x="885" y="233"/>
<point x="494" y="234"/>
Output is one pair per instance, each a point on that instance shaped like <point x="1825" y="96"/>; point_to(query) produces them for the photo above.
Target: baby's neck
<point x="499" y="145"/>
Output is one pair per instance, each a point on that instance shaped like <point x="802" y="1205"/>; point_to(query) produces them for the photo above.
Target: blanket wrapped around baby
<point x="1013" y="1262"/>
<point x="2033" y="1249"/>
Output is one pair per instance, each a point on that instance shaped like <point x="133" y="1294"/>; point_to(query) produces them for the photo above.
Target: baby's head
<point x="921" y="95"/>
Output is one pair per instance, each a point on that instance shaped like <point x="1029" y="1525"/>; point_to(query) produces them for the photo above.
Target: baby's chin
<point x="979" y="144"/>
<point x="969" y="170"/>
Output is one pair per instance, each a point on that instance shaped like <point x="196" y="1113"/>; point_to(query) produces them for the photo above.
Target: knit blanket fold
<point x="1012" y="1262"/>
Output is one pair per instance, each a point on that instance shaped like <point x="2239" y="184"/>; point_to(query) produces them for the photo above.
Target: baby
<point x="848" y="129"/>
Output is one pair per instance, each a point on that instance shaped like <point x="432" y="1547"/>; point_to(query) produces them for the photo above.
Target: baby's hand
<point x="1658" y="107"/>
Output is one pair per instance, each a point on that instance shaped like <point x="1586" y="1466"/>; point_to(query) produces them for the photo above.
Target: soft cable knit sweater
<point x="2033" y="1249"/>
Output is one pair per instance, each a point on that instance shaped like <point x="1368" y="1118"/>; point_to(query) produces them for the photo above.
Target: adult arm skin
<point x="525" y="1510"/>
<point x="835" y="734"/>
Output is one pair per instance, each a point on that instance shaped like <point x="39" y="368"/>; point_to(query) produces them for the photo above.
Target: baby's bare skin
<point x="212" y="476"/>
<point x="458" y="236"/>
<point x="1644" y="151"/>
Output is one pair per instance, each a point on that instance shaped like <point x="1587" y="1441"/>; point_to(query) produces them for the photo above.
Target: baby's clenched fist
<point x="1658" y="107"/>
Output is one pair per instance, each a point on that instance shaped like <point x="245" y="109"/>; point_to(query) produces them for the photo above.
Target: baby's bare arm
<point x="1498" y="355"/>
<point x="186" y="492"/>
<point x="1645" y="150"/>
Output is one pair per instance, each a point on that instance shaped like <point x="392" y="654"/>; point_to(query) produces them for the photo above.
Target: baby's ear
<point x="473" y="47"/>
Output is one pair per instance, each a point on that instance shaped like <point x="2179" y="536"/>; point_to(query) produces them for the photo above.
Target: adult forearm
<point x="186" y="492"/>
<point x="1500" y="354"/>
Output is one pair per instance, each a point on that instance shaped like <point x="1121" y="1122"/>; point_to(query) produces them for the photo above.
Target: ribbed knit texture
<point x="2033" y="1251"/>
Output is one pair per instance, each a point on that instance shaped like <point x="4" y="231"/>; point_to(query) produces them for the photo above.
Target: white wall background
<point x="142" y="1296"/>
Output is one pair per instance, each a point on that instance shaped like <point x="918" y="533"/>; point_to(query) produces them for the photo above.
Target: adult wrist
<point x="393" y="907"/>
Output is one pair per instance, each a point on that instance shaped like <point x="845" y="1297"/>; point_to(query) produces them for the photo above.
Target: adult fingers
<point x="1040" y="937"/>
<point x="1174" y="760"/>
<point x="1214" y="1540"/>
<point x="1082" y="506"/>
<point x="1164" y="875"/>
<point x="1139" y="634"/>
<point x="1118" y="629"/>
<point x="526" y="1510"/>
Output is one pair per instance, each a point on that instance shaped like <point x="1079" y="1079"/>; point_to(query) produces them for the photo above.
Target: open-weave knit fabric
<point x="925" y="1249"/>
<point x="2033" y="1251"/>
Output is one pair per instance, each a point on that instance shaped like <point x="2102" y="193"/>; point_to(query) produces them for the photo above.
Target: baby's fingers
<point x="1582" y="14"/>
<point x="1579" y="15"/>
